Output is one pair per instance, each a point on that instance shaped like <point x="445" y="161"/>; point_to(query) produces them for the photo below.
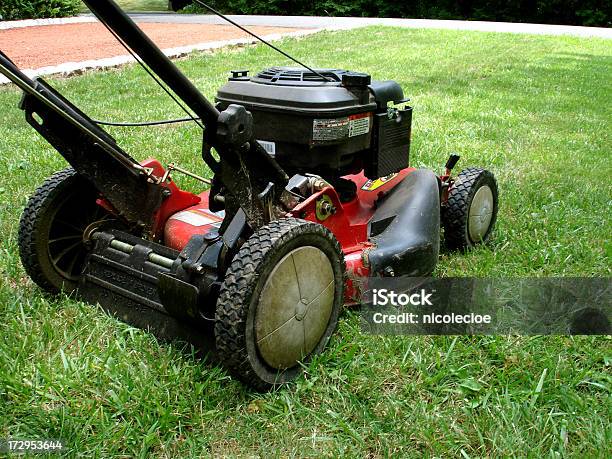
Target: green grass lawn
<point x="535" y="110"/>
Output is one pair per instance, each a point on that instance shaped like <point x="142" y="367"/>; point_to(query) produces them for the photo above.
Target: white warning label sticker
<point x="341" y="128"/>
<point x="194" y="218"/>
<point x="359" y="124"/>
<point x="330" y="129"/>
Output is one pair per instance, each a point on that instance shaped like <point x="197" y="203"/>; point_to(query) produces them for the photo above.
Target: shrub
<point x="575" y="12"/>
<point x="29" y="9"/>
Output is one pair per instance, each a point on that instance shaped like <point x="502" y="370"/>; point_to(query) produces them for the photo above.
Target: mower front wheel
<point x="279" y="302"/>
<point x="471" y="209"/>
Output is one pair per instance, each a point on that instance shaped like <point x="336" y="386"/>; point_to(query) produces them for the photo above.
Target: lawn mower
<point x="311" y="195"/>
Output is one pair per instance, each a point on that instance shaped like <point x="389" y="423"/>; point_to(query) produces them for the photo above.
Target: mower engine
<point x="331" y="123"/>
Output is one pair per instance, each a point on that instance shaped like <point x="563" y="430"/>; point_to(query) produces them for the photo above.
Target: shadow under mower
<point x="311" y="195"/>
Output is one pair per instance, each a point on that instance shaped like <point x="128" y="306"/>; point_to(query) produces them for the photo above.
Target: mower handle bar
<point x="111" y="15"/>
<point x="64" y="109"/>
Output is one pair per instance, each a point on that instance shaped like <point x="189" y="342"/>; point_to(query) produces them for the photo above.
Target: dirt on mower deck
<point x="42" y="46"/>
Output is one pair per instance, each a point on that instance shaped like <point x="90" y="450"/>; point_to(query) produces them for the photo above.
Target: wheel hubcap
<point x="294" y="307"/>
<point x="480" y="214"/>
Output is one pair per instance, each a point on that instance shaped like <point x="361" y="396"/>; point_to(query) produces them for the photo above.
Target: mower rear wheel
<point x="471" y="209"/>
<point x="51" y="229"/>
<point x="279" y="302"/>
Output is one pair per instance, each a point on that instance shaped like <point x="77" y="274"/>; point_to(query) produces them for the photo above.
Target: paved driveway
<point x="347" y="23"/>
<point x="51" y="45"/>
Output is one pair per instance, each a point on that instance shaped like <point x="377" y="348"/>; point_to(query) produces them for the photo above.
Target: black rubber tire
<point x="239" y="295"/>
<point x="38" y="220"/>
<point x="455" y="214"/>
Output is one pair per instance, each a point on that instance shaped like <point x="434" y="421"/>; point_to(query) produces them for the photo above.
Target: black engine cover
<point x="326" y="126"/>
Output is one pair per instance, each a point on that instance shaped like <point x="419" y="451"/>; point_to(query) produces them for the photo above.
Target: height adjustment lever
<point x="452" y="161"/>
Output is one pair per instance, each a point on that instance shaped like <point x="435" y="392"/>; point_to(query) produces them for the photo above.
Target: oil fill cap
<point x="239" y="75"/>
<point x="356" y="80"/>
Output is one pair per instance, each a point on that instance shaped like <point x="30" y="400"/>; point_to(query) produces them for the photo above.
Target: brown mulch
<point x="41" y="46"/>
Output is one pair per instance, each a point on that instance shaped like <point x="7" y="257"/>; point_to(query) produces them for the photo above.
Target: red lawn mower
<point x="311" y="195"/>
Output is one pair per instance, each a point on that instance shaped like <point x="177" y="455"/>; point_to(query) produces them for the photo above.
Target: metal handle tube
<point x="61" y="107"/>
<point x="108" y="12"/>
<point x="12" y="72"/>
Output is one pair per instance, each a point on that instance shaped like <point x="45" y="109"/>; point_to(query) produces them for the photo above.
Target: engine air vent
<point x="295" y="76"/>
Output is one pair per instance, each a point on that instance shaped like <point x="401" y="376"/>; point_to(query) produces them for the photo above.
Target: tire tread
<point x="241" y="278"/>
<point x="31" y="220"/>
<point x="455" y="215"/>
